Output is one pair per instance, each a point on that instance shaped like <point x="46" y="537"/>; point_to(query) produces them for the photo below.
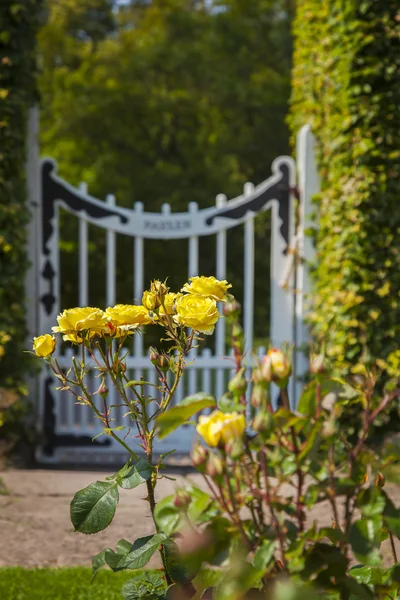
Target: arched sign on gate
<point x="69" y="432"/>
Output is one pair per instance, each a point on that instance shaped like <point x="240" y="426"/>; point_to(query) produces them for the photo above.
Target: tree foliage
<point x="168" y="101"/>
<point x="346" y="84"/>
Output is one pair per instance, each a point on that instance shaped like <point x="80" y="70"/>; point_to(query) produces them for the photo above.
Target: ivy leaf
<point x="93" y="508"/>
<point x="178" y="415"/>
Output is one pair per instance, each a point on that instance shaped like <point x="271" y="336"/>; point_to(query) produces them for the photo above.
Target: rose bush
<point x="253" y="534"/>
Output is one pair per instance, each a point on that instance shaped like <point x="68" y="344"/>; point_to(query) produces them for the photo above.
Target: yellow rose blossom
<point x="78" y="319"/>
<point x="44" y="345"/>
<point x="125" y="318"/>
<point x="197" y="312"/>
<point x="209" y="287"/>
<point x="169" y="302"/>
<point x="218" y="428"/>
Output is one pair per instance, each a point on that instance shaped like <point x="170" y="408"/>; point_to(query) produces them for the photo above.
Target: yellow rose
<point x="74" y="320"/>
<point x="196" y="312"/>
<point x="125" y="318"/>
<point x="169" y="303"/>
<point x="209" y="287"/>
<point x="44" y="345"/>
<point x="218" y="428"/>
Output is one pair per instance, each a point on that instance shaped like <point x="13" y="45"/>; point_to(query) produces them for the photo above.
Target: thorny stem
<point x="235" y="518"/>
<point x="271" y="507"/>
<point x="299" y="472"/>
<point x="393" y="548"/>
<point x="332" y="495"/>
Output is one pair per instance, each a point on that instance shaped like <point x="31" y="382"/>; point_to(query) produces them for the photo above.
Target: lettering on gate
<point x="167" y="225"/>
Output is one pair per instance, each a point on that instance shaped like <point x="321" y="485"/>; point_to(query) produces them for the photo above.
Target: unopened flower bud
<point x="238" y="383"/>
<point x="380" y="480"/>
<point x="159" y="287"/>
<point x="182" y="500"/>
<point x="103" y="390"/>
<point x="163" y="363"/>
<point x="199" y="456"/>
<point x="232" y="308"/>
<point x="263" y="423"/>
<point x="150" y="300"/>
<point x="214" y="466"/>
<point x="317" y="364"/>
<point x="259" y="396"/>
<point x="119" y="367"/>
<point x="235" y="448"/>
<point x="329" y="428"/>
<point x="153" y="355"/>
<point x="276" y="367"/>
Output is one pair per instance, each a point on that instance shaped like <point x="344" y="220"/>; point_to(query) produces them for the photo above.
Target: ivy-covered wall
<point x="346" y="85"/>
<point x="19" y="21"/>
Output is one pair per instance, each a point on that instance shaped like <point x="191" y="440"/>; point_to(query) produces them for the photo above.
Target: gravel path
<point x="35" y="529"/>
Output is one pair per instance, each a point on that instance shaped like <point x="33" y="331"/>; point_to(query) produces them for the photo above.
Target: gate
<point x="69" y="429"/>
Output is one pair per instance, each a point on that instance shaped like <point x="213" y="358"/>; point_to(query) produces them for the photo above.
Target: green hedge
<point x="346" y="85"/>
<point x="73" y="583"/>
<point x="19" y="23"/>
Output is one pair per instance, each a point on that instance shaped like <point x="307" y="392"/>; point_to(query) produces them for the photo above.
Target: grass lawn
<point x="17" y="583"/>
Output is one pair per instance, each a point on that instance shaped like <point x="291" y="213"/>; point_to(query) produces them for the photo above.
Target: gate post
<point x="309" y="185"/>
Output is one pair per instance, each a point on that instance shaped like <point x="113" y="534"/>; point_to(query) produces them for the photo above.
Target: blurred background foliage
<point x="19" y="24"/>
<point x="165" y="101"/>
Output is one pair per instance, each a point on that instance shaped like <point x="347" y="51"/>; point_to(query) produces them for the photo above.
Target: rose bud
<point x="182" y="500"/>
<point x="103" y="390"/>
<point x="199" y="456"/>
<point x="263" y="423"/>
<point x="234" y="448"/>
<point x="238" y="383"/>
<point x="317" y="364"/>
<point x="232" y="308"/>
<point x="153" y="355"/>
<point x="259" y="396"/>
<point x="276" y="367"/>
<point x="214" y="466"/>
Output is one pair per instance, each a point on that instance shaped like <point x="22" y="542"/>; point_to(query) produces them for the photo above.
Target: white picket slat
<point x="193" y="270"/>
<point x="83" y="255"/>
<point x="220" y="202"/>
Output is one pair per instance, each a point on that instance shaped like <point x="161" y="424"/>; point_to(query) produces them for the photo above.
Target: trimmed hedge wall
<point x="346" y="85"/>
<point x="19" y="24"/>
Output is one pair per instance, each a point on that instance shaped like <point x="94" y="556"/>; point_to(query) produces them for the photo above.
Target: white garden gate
<point x="68" y="429"/>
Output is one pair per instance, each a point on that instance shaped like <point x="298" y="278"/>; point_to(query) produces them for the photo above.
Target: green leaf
<point x="93" y="508"/>
<point x="142" y="551"/>
<point x="170" y="519"/>
<point x="114" y="559"/>
<point x="308" y="400"/>
<point x="228" y="403"/>
<point x="371" y="502"/>
<point x="178" y="415"/>
<point x="236" y="582"/>
<point x="98" y="561"/>
<point x="264" y="555"/>
<point x="391" y="517"/>
<point x="365" y="540"/>
<point x="176" y="568"/>
<point x="311" y="447"/>
<point x="136" y="474"/>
